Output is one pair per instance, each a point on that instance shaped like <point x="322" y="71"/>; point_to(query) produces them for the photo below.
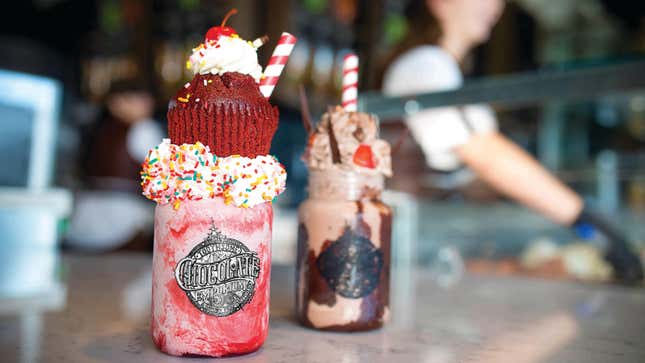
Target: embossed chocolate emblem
<point x="351" y="265"/>
<point x="219" y="274"/>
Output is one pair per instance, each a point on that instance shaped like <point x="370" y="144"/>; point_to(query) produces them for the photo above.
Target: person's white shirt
<point x="143" y="136"/>
<point x="438" y="130"/>
<point x="105" y="220"/>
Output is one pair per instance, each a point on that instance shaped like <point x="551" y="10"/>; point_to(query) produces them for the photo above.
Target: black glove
<point x="627" y="265"/>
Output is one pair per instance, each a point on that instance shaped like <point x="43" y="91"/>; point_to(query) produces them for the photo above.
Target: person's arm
<point x="469" y="132"/>
<point x="513" y="172"/>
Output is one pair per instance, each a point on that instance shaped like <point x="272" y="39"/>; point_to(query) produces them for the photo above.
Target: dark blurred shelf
<point x="520" y="89"/>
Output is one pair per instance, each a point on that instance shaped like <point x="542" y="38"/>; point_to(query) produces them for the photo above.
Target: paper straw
<point x="350" y="82"/>
<point x="276" y="64"/>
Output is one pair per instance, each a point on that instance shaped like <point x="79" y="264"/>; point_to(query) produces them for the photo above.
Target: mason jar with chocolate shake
<point x="344" y="231"/>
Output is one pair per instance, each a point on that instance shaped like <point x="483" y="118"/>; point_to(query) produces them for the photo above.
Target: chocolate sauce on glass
<point x="343" y="265"/>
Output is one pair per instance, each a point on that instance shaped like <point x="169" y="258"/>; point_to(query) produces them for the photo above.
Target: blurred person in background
<point x="441" y="35"/>
<point x="111" y="213"/>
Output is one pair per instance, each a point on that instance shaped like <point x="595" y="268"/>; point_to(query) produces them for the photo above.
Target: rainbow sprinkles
<point x="173" y="173"/>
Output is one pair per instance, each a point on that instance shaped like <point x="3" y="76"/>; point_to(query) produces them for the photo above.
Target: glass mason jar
<point x="343" y="263"/>
<point x="210" y="278"/>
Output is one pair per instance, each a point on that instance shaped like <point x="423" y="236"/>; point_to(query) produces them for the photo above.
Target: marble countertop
<point x="100" y="314"/>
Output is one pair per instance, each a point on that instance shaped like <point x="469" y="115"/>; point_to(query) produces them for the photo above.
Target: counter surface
<point x="103" y="317"/>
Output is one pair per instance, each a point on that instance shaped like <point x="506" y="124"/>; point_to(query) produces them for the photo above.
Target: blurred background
<point x="84" y="89"/>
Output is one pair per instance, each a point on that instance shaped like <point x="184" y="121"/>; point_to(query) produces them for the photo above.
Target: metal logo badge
<point x="351" y="265"/>
<point x="219" y="274"/>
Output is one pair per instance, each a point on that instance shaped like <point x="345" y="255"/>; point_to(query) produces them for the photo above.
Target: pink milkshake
<point x="214" y="183"/>
<point x="211" y="272"/>
<point x="212" y="250"/>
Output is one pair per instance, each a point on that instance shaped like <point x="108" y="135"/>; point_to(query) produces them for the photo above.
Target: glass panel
<point x="15" y="144"/>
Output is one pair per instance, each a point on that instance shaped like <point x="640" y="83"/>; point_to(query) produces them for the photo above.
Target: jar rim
<point x="344" y="184"/>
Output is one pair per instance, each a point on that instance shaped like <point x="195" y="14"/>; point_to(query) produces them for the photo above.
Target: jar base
<point x="252" y="348"/>
<point x="344" y="328"/>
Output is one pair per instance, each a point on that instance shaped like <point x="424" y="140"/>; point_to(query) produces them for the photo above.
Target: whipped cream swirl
<point x="227" y="54"/>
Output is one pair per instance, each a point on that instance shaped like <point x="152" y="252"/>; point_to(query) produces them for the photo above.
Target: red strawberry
<point x="363" y="156"/>
<point x="215" y="32"/>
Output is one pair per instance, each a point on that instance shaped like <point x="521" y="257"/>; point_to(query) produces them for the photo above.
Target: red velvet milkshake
<point x="214" y="184"/>
<point x="211" y="272"/>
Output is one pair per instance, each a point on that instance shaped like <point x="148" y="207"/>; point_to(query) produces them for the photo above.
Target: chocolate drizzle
<point x="382" y="295"/>
<point x="301" y="255"/>
<point x="333" y="144"/>
<point x="360" y="227"/>
<point x="317" y="287"/>
<point x="359" y="134"/>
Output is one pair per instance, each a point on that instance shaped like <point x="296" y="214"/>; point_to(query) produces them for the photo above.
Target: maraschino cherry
<point x="215" y="32"/>
<point x="363" y="156"/>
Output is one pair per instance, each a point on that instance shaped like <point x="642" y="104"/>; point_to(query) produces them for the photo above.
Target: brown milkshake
<point x="344" y="232"/>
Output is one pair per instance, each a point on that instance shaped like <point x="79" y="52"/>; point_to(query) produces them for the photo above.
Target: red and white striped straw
<point x="350" y="82"/>
<point x="276" y="64"/>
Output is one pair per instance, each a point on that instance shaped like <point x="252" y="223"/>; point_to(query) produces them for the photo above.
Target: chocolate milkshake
<point x="344" y="232"/>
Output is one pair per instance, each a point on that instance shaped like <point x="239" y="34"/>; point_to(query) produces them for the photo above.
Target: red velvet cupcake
<point x="226" y="112"/>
